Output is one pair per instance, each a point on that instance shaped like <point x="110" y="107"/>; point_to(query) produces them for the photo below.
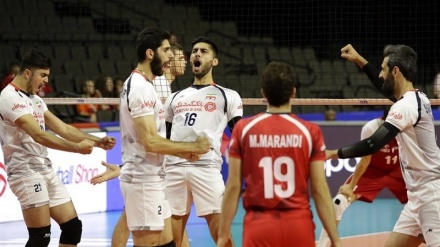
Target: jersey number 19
<point x="282" y="171"/>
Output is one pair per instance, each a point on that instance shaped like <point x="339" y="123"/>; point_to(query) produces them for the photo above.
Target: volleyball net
<point x="89" y="39"/>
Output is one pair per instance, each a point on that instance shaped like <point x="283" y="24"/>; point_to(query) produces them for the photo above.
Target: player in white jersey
<point x="144" y="144"/>
<point x="162" y="84"/>
<point x="410" y="120"/>
<point x="207" y="109"/>
<point x="23" y="120"/>
<point x="177" y="68"/>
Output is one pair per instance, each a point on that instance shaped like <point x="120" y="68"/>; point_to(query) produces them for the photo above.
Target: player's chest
<point x="203" y="103"/>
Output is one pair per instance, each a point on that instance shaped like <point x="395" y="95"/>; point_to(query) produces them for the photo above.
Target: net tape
<point x="246" y="101"/>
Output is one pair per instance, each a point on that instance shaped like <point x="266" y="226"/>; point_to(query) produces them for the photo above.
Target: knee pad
<point x="340" y="202"/>
<point x="170" y="244"/>
<point x="71" y="232"/>
<point x="38" y="237"/>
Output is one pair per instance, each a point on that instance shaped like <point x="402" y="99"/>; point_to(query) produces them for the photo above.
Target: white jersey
<point x="419" y="154"/>
<point x="23" y="156"/>
<point x="201" y="110"/>
<point x="162" y="86"/>
<point x="139" y="99"/>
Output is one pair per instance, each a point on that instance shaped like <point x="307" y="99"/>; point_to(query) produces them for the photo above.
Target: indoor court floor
<point x="363" y="225"/>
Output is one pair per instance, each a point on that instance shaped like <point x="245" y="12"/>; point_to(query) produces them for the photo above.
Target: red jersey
<point x="276" y="151"/>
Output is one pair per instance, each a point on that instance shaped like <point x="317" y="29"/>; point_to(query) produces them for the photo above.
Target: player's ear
<point x="215" y="62"/>
<point x="262" y="93"/>
<point x="149" y="53"/>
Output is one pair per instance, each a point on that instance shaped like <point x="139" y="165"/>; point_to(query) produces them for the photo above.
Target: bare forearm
<point x="160" y="145"/>
<point x="229" y="209"/>
<point x="359" y="171"/>
<point x="73" y="134"/>
<point x="326" y="213"/>
<point x="51" y="141"/>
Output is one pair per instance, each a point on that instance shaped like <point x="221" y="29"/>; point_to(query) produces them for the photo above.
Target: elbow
<point x="149" y="147"/>
<point x="40" y="138"/>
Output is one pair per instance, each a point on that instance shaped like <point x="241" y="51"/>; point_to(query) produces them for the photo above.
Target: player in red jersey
<point x="276" y="154"/>
<point x="373" y="174"/>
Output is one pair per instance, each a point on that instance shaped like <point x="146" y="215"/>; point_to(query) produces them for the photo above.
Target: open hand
<point x="112" y="172"/>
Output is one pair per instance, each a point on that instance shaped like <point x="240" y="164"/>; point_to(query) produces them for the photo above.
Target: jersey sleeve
<point x="142" y="101"/>
<point x="235" y="142"/>
<point x="12" y="107"/>
<point x="318" y="145"/>
<point x="368" y="129"/>
<point x="235" y="105"/>
<point x="169" y="114"/>
<point x="401" y="117"/>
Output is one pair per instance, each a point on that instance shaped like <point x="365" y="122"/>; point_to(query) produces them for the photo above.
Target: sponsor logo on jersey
<point x="147" y="104"/>
<point x="3" y="180"/>
<point x="18" y="106"/>
<point x="395" y="115"/>
<point x="210" y="106"/>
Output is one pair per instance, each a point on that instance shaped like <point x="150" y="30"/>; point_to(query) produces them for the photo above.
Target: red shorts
<point x="273" y="228"/>
<point x="373" y="181"/>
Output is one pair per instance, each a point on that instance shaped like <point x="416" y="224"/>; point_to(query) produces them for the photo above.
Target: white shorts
<point x="423" y="219"/>
<point x="204" y="185"/>
<point x="39" y="189"/>
<point x="145" y="206"/>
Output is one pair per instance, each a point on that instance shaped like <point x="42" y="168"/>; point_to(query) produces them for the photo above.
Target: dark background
<point x="328" y="25"/>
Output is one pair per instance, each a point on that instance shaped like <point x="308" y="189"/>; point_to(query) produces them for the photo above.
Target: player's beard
<point x="202" y="72"/>
<point x="29" y="88"/>
<point x="156" y="65"/>
<point x="388" y="86"/>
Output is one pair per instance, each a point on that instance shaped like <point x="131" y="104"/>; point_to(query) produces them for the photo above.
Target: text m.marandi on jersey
<point x="275" y="141"/>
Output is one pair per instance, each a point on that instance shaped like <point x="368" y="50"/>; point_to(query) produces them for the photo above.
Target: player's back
<point x="276" y="150"/>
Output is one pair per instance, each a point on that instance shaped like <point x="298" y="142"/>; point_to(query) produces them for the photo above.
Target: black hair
<point x="149" y="38"/>
<point x="202" y="39"/>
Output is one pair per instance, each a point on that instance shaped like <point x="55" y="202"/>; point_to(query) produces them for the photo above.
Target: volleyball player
<point x="205" y="108"/>
<point x="144" y="144"/>
<point x="23" y="120"/>
<point x="410" y="120"/>
<point x="275" y="154"/>
<point x="372" y="174"/>
<point x="162" y="85"/>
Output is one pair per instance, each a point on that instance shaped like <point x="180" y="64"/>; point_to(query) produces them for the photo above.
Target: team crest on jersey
<point x="210" y="106"/>
<point x="211" y="96"/>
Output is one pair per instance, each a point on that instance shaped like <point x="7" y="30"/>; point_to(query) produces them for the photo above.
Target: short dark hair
<point x="34" y="59"/>
<point x="149" y="38"/>
<point x="277" y="81"/>
<point x="175" y="47"/>
<point x="404" y="57"/>
<point x="202" y="39"/>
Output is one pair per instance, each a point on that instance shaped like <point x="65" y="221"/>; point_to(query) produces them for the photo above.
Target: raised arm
<point x="349" y="53"/>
